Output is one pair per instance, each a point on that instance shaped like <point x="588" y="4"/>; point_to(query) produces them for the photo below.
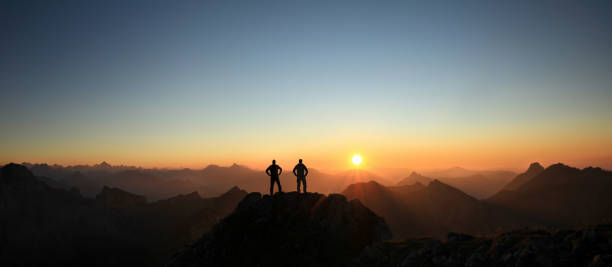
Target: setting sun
<point x="357" y="159"/>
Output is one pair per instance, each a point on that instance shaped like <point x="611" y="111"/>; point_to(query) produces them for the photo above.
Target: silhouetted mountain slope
<point x="414" y="178"/>
<point x="431" y="210"/>
<point x="562" y="195"/>
<point x="589" y="246"/>
<point x="53" y="183"/>
<point x="479" y="184"/>
<point x="117" y="198"/>
<point x="287" y="230"/>
<point x="42" y="225"/>
<point x="534" y="170"/>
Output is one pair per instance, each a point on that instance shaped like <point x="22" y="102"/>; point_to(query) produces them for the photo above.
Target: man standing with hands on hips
<point x="300" y="171"/>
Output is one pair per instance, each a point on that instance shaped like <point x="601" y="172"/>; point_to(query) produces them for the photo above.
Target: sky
<point x="406" y="84"/>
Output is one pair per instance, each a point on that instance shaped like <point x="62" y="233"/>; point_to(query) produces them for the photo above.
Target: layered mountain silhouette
<point x="479" y="184"/>
<point x="213" y="180"/>
<point x="560" y="195"/>
<point x="288" y="229"/>
<point x="415" y="178"/>
<point x="43" y="225"/>
<point x="47" y="221"/>
<point x="431" y="210"/>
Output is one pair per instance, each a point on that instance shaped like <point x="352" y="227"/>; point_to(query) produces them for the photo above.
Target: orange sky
<point x="487" y="148"/>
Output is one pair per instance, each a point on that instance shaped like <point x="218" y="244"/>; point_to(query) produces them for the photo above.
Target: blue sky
<point x="85" y="81"/>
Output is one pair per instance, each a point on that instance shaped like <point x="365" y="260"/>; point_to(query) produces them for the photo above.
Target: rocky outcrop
<point x="288" y="229"/>
<point x="590" y="246"/>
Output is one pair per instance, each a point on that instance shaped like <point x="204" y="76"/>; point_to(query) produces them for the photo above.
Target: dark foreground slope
<point x="562" y="196"/>
<point x="314" y="230"/>
<point x="590" y="246"/>
<point x="288" y="230"/>
<point x="45" y="226"/>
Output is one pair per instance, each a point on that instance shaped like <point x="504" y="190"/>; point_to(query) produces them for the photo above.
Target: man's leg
<point x="279" y="186"/>
<point x="271" y="186"/>
<point x="300" y="181"/>
<point x="304" y="181"/>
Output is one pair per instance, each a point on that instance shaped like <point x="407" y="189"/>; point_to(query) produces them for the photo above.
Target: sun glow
<point x="357" y="159"/>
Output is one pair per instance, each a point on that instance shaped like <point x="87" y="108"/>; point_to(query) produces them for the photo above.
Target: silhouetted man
<point x="274" y="171"/>
<point x="300" y="171"/>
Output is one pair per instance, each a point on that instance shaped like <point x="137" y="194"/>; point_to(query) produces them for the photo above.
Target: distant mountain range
<point x="431" y="210"/>
<point x="479" y="184"/>
<point x="556" y="196"/>
<point x="213" y="180"/>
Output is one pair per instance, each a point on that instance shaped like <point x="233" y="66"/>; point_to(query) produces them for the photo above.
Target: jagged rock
<point x="288" y="229"/>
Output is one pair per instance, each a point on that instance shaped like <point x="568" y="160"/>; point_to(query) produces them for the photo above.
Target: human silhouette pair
<point x="274" y="171"/>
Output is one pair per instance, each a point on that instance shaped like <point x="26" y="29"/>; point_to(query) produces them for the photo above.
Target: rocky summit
<point x="288" y="229"/>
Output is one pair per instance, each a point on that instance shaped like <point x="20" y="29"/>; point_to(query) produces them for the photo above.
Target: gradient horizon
<point x="417" y="85"/>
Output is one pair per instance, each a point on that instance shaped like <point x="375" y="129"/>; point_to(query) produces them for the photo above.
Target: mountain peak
<point x="211" y="167"/>
<point x="234" y="191"/>
<point x="414" y="177"/>
<point x="288" y="229"/>
<point x="15" y="170"/>
<point x="534" y="170"/>
<point x="535" y="166"/>
<point x="560" y="168"/>
<point x="104" y="164"/>
<point x="18" y="175"/>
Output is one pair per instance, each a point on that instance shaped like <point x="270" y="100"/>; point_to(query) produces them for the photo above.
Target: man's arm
<point x="305" y="170"/>
<point x="280" y="170"/>
<point x="295" y="170"/>
<point x="268" y="171"/>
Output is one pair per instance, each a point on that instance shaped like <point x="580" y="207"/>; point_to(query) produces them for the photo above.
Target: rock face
<point x="589" y="246"/>
<point x="288" y="229"/>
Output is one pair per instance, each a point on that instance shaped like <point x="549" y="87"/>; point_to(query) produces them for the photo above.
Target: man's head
<point x="300" y="160"/>
<point x="273" y="161"/>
